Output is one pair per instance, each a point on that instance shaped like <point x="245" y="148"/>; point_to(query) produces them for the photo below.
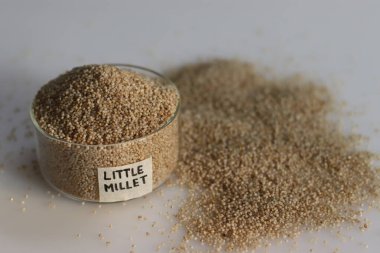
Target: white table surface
<point x="335" y="41"/>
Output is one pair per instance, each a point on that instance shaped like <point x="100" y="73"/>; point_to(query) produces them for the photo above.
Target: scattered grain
<point x="12" y="137"/>
<point x="16" y="110"/>
<point x="262" y="159"/>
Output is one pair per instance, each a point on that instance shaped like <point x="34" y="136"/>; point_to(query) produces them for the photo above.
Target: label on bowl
<point x="125" y="182"/>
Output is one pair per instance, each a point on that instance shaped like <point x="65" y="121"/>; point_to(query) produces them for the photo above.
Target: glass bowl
<point x="114" y="172"/>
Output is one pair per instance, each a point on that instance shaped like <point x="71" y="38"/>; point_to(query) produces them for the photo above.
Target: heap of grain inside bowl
<point x="107" y="132"/>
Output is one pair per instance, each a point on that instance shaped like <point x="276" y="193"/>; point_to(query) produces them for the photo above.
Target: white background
<point x="337" y="42"/>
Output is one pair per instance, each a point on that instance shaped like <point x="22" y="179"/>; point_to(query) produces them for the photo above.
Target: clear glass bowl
<point x="73" y="169"/>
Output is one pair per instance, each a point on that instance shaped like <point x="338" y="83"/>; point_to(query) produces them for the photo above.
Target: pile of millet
<point x="262" y="159"/>
<point x="103" y="104"/>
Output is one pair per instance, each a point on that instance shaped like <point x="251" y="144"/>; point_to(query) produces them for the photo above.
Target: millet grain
<point x="87" y="110"/>
<point x="103" y="104"/>
<point x="261" y="158"/>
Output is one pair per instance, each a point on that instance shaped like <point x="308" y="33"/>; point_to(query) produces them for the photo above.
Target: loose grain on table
<point x="261" y="158"/>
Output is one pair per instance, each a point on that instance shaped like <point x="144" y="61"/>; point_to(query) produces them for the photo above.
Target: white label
<point x="125" y="182"/>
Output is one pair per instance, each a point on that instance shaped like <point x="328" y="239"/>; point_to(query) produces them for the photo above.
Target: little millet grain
<point x="102" y="104"/>
<point x="261" y="158"/>
<point x="88" y="110"/>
